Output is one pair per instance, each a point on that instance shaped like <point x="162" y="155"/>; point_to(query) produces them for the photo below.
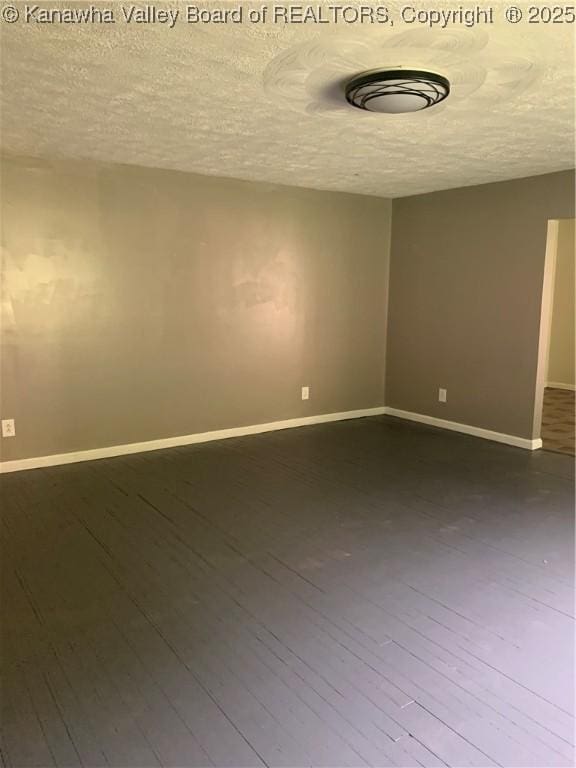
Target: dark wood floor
<point x="363" y="593"/>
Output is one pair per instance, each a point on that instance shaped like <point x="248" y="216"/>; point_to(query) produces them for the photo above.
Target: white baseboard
<point x="559" y="385"/>
<point x="222" y="434"/>
<point x="172" y="442"/>
<point x="455" y="426"/>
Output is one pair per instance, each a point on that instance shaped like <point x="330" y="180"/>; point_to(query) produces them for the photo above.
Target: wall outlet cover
<point x="442" y="395"/>
<point x="305" y="393"/>
<point x="8" y="428"/>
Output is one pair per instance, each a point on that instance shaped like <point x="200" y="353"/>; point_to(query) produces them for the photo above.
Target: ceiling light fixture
<point x="393" y="91"/>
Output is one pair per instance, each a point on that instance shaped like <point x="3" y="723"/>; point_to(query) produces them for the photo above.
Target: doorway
<point x="558" y="431"/>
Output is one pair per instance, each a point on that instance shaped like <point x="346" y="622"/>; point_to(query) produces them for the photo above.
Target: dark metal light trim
<point x="431" y="87"/>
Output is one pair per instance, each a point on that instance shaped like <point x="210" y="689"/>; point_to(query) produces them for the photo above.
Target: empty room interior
<point x="287" y="385"/>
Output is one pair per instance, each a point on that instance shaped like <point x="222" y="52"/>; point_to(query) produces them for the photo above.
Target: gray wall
<point x="141" y="304"/>
<point x="562" y="337"/>
<point x="466" y="279"/>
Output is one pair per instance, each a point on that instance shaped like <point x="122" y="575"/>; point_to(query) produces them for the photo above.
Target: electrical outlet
<point x="8" y="428"/>
<point x="442" y="395"/>
<point x="305" y="393"/>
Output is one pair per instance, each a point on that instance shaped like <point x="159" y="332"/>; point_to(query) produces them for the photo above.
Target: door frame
<point x="545" y="323"/>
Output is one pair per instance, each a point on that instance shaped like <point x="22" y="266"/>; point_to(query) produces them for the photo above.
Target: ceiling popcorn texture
<point x="265" y="101"/>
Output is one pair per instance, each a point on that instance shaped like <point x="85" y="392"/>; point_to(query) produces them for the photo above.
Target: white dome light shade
<point x="394" y="91"/>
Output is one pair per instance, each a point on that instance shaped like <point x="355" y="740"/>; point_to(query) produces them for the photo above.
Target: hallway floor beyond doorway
<point x="558" y="430"/>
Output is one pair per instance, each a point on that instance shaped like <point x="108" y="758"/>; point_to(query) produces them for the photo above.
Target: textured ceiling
<point x="262" y="101"/>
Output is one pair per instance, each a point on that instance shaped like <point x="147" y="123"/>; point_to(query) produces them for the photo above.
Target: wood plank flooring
<point x="366" y="593"/>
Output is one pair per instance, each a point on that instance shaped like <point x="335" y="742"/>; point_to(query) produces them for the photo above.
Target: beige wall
<point x="466" y="282"/>
<point x="562" y="341"/>
<point x="141" y="304"/>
